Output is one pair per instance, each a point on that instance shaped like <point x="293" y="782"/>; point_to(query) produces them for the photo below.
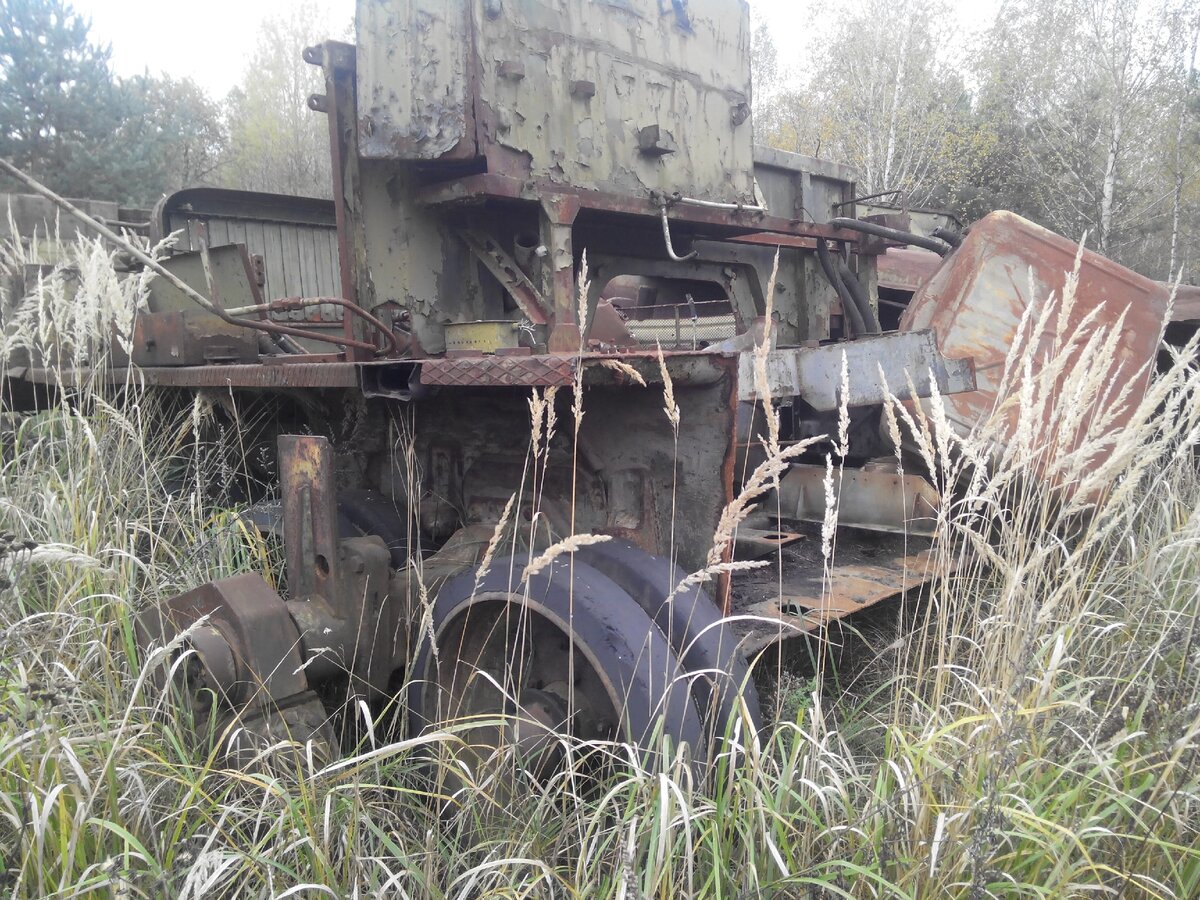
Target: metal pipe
<point x="953" y="238"/>
<point x="149" y="262"/>
<point x="854" y="200"/>
<point x="288" y="303"/>
<point x="713" y="204"/>
<point x="891" y="234"/>
<point x="861" y="300"/>
<point x="667" y="237"/>
<point x="849" y="307"/>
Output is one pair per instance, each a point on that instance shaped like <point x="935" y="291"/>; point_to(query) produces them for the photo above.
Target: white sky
<point x="211" y="41"/>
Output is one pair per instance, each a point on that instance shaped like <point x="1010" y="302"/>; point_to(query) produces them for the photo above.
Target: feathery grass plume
<point x="625" y="369"/>
<point x="1036" y="732"/>
<point x="843" y="433"/>
<point x="670" y="407"/>
<point x="829" y="522"/>
<point x="554" y="551"/>
<point x="582" y="288"/>
<point x="485" y="565"/>
<point x="537" y="421"/>
<point x="762" y="352"/>
<point x="891" y="425"/>
<point x="549" y="395"/>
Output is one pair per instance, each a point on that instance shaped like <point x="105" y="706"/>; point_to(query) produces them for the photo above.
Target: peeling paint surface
<point x="974" y="304"/>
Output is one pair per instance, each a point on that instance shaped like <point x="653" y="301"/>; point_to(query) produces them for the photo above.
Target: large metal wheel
<point x="559" y="655"/>
<point x="700" y="636"/>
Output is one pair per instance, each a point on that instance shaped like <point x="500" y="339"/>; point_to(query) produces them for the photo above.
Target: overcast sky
<point x="211" y="41"/>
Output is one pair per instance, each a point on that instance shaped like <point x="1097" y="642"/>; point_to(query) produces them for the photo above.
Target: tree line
<point x="1078" y="114"/>
<point x="1081" y="115"/>
<point x="70" y="121"/>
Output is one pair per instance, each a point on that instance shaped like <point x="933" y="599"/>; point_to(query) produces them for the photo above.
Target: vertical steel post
<point x="310" y="537"/>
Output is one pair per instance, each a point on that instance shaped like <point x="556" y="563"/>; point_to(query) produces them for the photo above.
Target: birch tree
<point x="880" y="95"/>
<point x="277" y="143"/>
<point x="1091" y="86"/>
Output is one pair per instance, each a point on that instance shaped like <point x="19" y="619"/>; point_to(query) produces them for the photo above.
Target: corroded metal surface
<point x="189" y="338"/>
<point x="414" y="78"/>
<point x="251" y="620"/>
<point x="631" y="96"/>
<point x="275" y="375"/>
<point x="872" y="497"/>
<point x="310" y="532"/>
<point x="809" y="601"/>
<point x="500" y="371"/>
<point x="975" y="302"/>
<point x="815" y="373"/>
<point x="906" y="268"/>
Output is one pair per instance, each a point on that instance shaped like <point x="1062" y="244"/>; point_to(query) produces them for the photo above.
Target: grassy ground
<point x="1031" y="729"/>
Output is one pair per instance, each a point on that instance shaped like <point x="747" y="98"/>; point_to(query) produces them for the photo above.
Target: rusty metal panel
<point x="261" y="661"/>
<point x="413" y="82"/>
<point x="801" y="187"/>
<point x="906" y="268"/>
<point x="310" y="536"/>
<point x="815" y="373"/>
<point x="255" y="375"/>
<point x="627" y="96"/>
<point x="1187" y="303"/>
<point x="230" y="274"/>
<point x="296" y="237"/>
<point x="189" y="338"/>
<point x="812" y="601"/>
<point x="500" y="371"/>
<point x="875" y="498"/>
<point x="974" y="304"/>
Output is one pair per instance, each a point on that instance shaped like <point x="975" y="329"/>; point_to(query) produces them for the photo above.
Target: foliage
<point x="1095" y="90"/>
<point x="277" y="143"/>
<point x="878" y="95"/>
<point x="59" y="106"/>
<point x="69" y="122"/>
<point x="174" y="133"/>
<point x="1080" y="115"/>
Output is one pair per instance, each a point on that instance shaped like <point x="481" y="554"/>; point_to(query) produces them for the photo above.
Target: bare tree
<point x="276" y="142"/>
<point x="1091" y="83"/>
<point x="878" y="94"/>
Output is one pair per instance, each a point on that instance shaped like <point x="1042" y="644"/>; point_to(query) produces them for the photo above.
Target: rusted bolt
<point x="318" y="103"/>
<point x="653" y="140"/>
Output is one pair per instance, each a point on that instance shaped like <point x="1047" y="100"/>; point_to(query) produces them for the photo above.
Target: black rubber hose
<point x="859" y="295"/>
<point x="849" y="307"/>
<point x="953" y="238"/>
<point x="892" y="234"/>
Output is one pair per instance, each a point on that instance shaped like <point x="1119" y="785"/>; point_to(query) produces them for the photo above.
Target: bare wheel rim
<point x="504" y="651"/>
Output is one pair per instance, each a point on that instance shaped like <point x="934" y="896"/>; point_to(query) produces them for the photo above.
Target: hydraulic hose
<point x="859" y="295"/>
<point x="169" y="276"/>
<point x="849" y="307"/>
<point x="953" y="238"/>
<point x="891" y="234"/>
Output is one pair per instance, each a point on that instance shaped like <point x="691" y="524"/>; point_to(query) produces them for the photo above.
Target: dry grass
<point x="1036" y="733"/>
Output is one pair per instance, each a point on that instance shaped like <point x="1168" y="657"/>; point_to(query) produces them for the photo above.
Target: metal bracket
<point x="505" y="269"/>
<point x="310" y="536"/>
<point x="814" y="374"/>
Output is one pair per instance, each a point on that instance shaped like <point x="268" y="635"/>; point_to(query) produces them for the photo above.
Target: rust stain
<point x="975" y="302"/>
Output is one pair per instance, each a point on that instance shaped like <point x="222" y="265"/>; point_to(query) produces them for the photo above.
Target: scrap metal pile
<point x="481" y="150"/>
